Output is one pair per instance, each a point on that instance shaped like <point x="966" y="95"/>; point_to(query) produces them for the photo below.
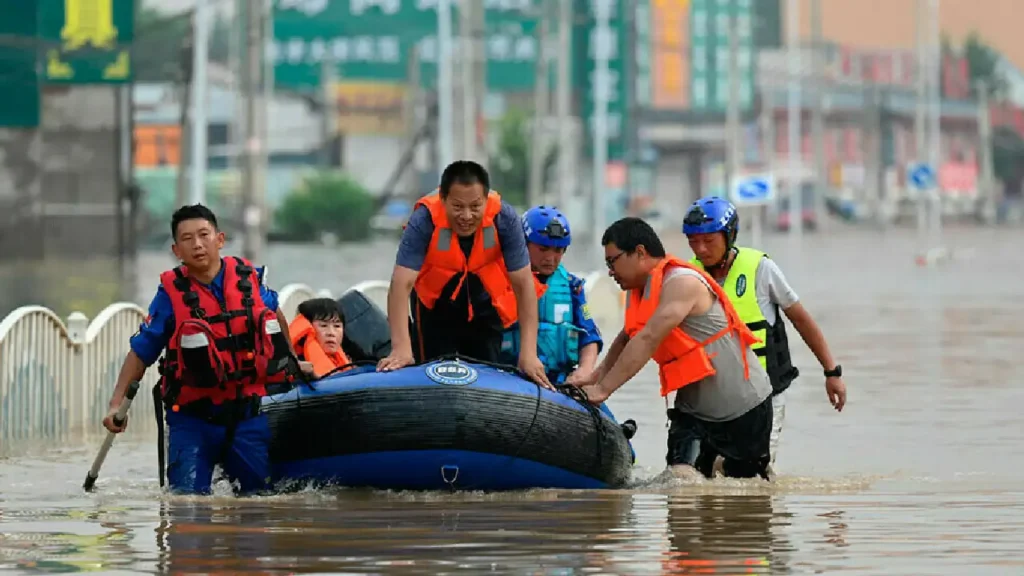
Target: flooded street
<point x="923" y="472"/>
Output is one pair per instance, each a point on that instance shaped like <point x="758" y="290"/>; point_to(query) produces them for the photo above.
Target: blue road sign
<point x="922" y="176"/>
<point x="753" y="189"/>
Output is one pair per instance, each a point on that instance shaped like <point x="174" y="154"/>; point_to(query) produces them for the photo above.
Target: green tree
<point x="159" y="39"/>
<point x="510" y="165"/>
<point x="1007" y="145"/>
<point x="327" y="202"/>
<point x="983" y="63"/>
<point x="1008" y="157"/>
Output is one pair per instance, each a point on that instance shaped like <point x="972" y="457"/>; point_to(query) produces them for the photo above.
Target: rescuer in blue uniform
<point x="223" y="339"/>
<point x="568" y="340"/>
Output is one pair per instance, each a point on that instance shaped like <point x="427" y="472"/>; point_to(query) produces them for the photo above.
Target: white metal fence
<point x="56" y="376"/>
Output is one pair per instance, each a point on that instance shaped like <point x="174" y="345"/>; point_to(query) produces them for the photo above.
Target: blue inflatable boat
<point x="447" y="424"/>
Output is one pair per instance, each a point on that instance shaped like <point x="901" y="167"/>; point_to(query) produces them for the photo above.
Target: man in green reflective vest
<point x="758" y="290"/>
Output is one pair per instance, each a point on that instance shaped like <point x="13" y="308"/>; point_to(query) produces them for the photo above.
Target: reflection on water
<point x="921" y="474"/>
<point x="729" y="527"/>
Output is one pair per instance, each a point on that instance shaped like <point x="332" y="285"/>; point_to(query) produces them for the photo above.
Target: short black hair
<point x="465" y="172"/>
<point x="191" y="212"/>
<point x="629" y="232"/>
<point x="322" y="309"/>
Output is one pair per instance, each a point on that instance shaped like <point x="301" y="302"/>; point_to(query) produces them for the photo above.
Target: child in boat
<point x="317" y="333"/>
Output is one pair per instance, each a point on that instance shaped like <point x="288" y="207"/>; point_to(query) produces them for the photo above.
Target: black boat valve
<point x="629" y="429"/>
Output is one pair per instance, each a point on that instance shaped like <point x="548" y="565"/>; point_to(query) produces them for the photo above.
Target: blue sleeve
<point x="156" y="331"/>
<point x="581" y="315"/>
<point x="412" y="249"/>
<point x="269" y="296"/>
<point x="512" y="239"/>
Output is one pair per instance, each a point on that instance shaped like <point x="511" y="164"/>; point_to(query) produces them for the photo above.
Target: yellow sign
<point x="370" y="108"/>
<point x="88" y="22"/>
<point x="90" y="39"/>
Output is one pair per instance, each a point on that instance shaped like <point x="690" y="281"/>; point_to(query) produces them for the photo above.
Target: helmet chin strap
<point x="723" y="264"/>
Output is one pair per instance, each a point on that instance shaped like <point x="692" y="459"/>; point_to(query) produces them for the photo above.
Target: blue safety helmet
<point x="710" y="215"/>
<point x="546" y="226"/>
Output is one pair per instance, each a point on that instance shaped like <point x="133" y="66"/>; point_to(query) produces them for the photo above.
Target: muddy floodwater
<point x="923" y="473"/>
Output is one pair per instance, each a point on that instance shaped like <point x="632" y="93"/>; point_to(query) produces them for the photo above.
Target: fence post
<point x="78" y="325"/>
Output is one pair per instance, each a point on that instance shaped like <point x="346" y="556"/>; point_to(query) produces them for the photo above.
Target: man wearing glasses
<point x="679" y="316"/>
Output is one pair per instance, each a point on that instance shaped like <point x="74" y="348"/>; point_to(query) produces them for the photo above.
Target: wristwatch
<point x="836" y="372"/>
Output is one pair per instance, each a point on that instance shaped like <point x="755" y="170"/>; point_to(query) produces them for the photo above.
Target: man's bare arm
<point x="811" y="333"/>
<point x="614" y="350"/>
<point x="402" y="281"/>
<point x="678" y="298"/>
<point x="588" y="357"/>
<point x="526" y="304"/>
<point x="132" y="369"/>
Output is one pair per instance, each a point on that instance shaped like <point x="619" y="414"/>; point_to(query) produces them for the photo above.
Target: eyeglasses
<point x="610" y="262"/>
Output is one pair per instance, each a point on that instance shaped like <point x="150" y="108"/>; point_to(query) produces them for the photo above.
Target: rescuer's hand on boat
<point x="397" y="359"/>
<point x="596" y="394"/>
<point x="531" y="365"/>
<point x="581" y="377"/>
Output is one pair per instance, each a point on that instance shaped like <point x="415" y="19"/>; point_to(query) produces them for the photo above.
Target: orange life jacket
<point x="445" y="260"/>
<point x="220" y="352"/>
<point x="681" y="359"/>
<point x="540" y="287"/>
<point x="308" y="348"/>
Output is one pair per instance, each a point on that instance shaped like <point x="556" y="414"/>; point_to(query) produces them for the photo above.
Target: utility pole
<point x="601" y="88"/>
<point x="732" y="111"/>
<point x="252" y="181"/>
<point x="794" y="119"/>
<point x="872" y="147"/>
<point x="200" y="100"/>
<point x="235" y="46"/>
<point x="935" y="151"/>
<point x="185" y="60"/>
<point x="466" y="56"/>
<point x="734" y="132"/>
<point x="818" y="117"/>
<point x="413" y="122"/>
<point x="768" y="131"/>
<point x="444" y="83"/>
<point x="920" y="107"/>
<point x="632" y="117"/>
<point x="329" y="109"/>
<point x="541" y="98"/>
<point x="987" y="192"/>
<point x="563" y="103"/>
<point x="479" y="80"/>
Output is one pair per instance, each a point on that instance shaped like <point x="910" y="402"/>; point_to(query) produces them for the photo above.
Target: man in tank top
<point x="679" y="317"/>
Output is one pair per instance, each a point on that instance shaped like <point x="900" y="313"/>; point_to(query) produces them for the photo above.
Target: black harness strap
<point x="158" y="408"/>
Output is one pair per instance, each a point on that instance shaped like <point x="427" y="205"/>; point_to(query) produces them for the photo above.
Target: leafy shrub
<point x="327" y="203"/>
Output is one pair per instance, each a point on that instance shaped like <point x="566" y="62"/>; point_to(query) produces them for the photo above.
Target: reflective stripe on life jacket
<point x="558" y="339"/>
<point x="445" y="260"/>
<point x="773" y="349"/>
<point x="308" y="348"/>
<point x="220" y="352"/>
<point x="682" y="360"/>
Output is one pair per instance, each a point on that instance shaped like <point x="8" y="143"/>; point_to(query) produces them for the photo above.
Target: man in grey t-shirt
<point x="678" y="316"/>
